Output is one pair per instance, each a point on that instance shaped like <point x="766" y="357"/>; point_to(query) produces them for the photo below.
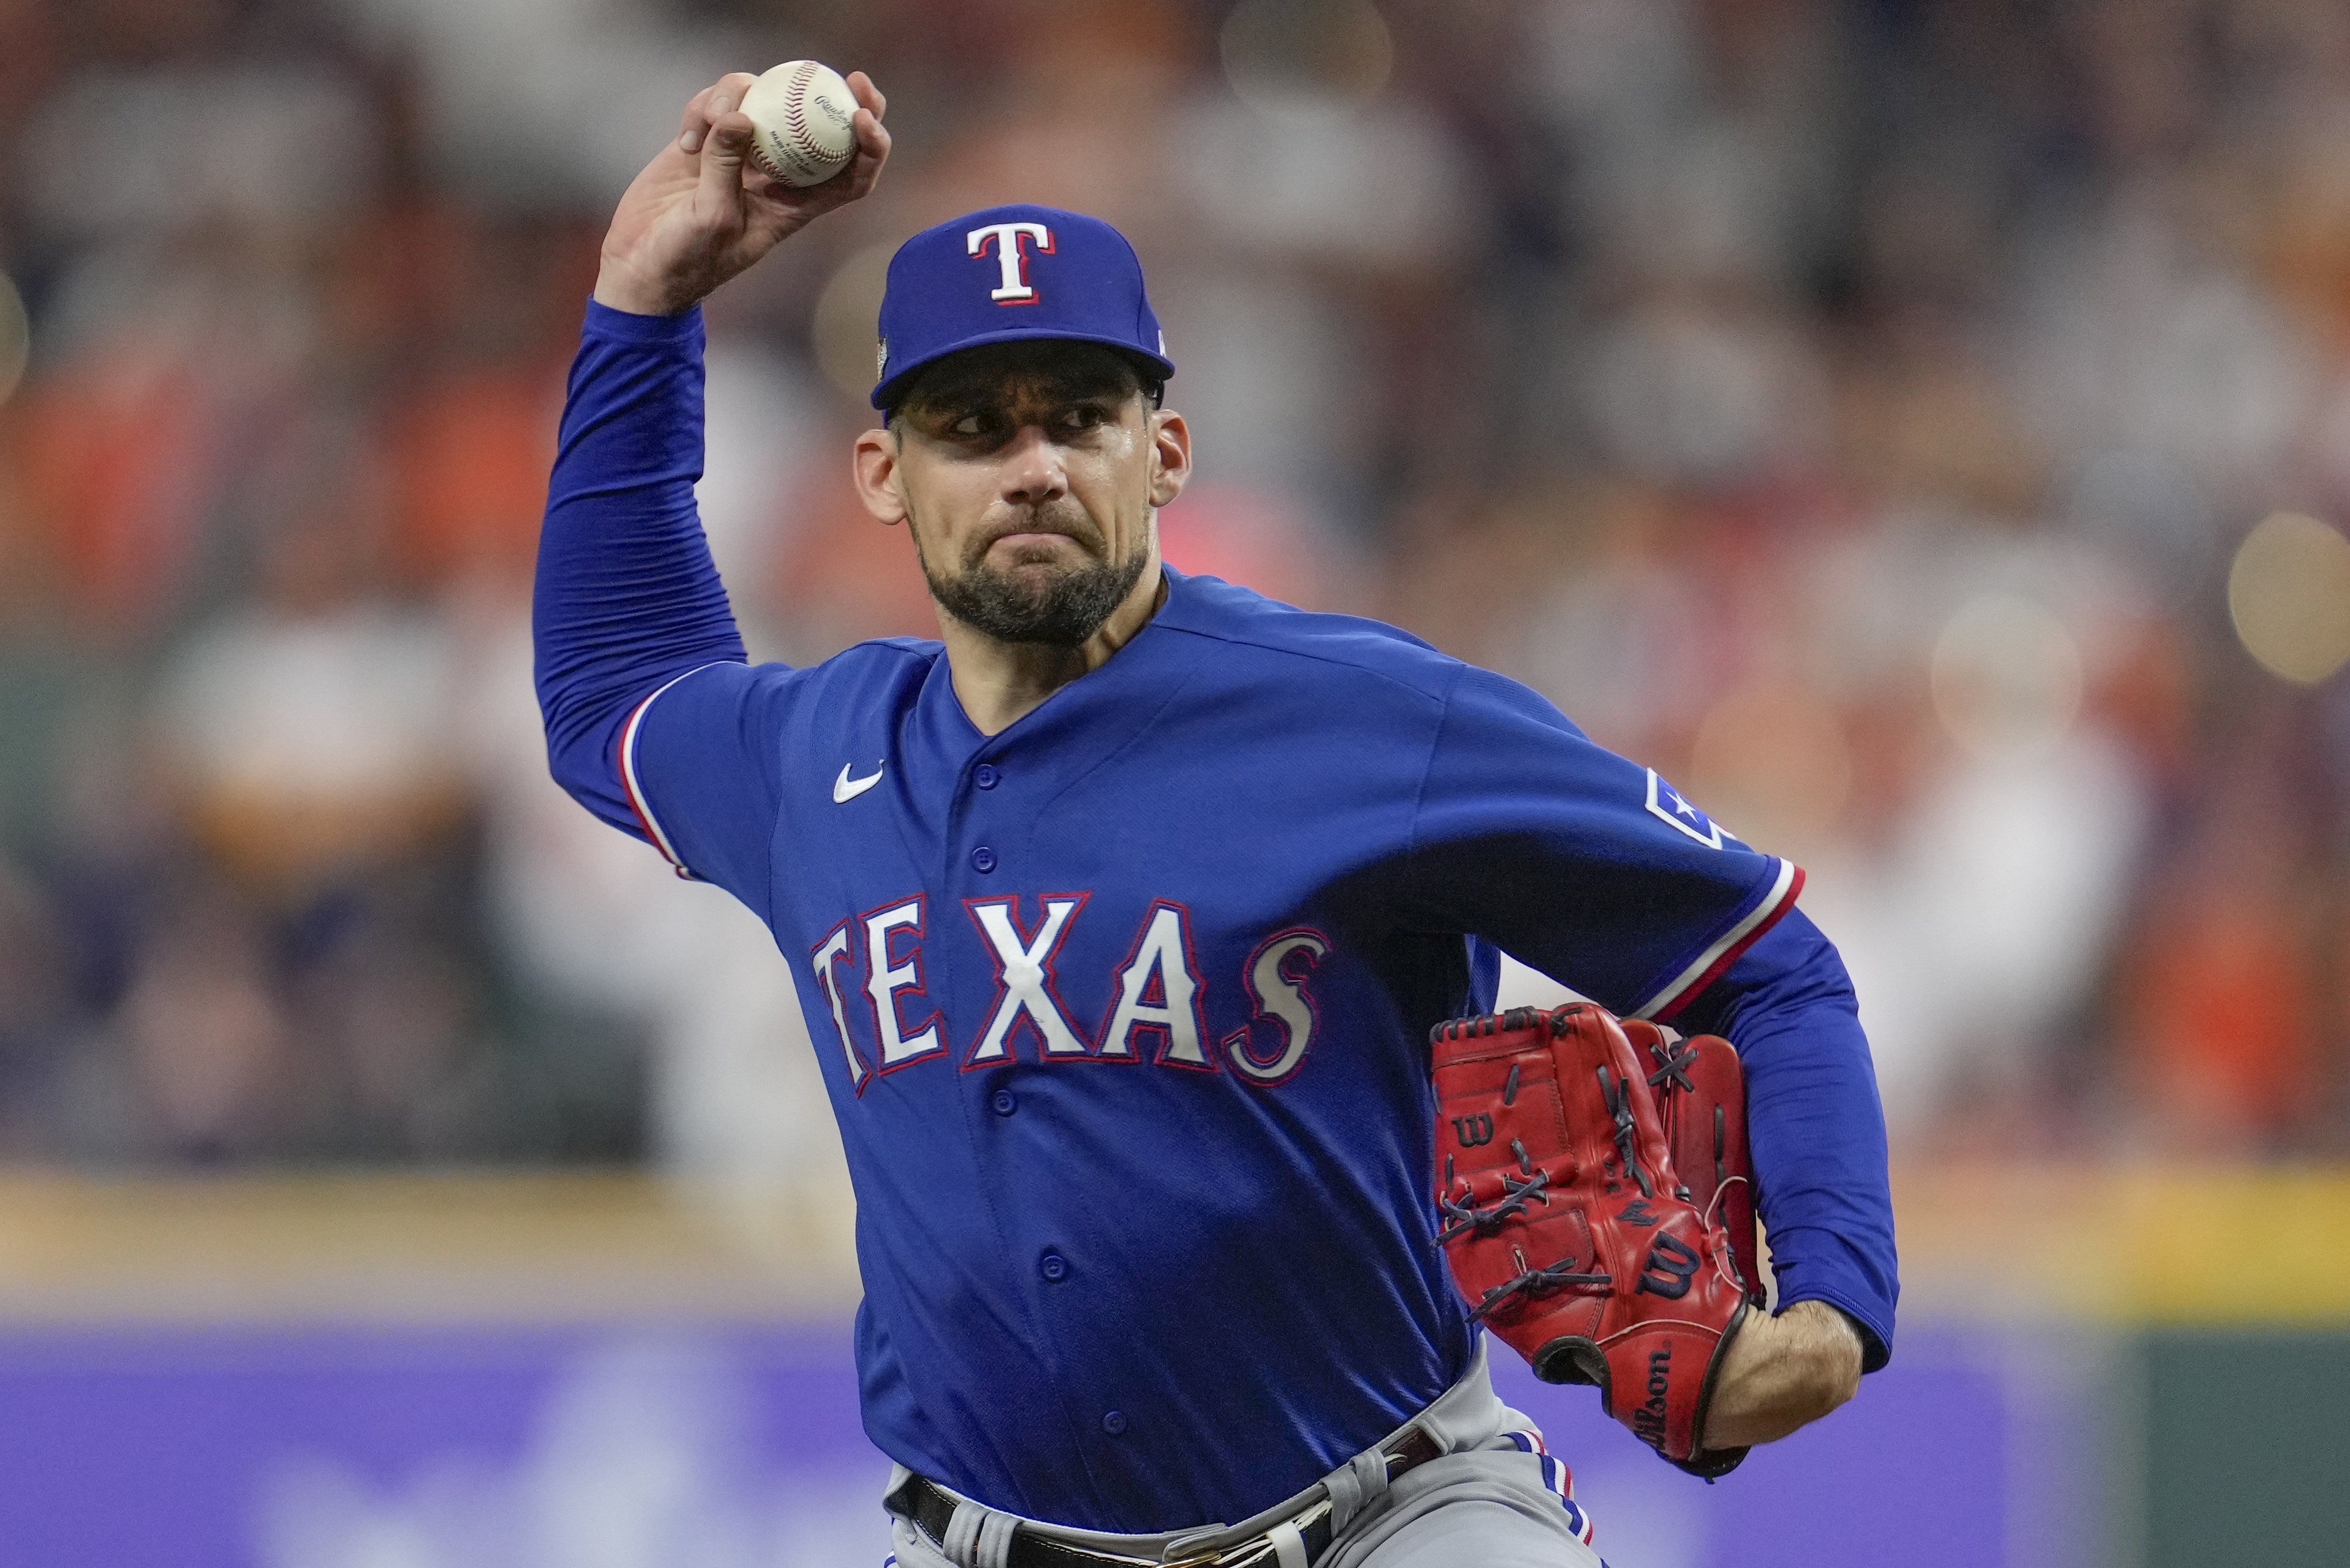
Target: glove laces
<point x="1466" y="1216"/>
<point x="1617" y="1093"/>
<point x="1534" y="1282"/>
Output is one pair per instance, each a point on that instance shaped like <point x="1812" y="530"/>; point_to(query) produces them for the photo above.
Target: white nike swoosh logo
<point x="845" y="789"/>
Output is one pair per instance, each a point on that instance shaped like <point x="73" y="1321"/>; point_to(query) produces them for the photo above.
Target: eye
<point x="1084" y="416"/>
<point x="967" y="426"/>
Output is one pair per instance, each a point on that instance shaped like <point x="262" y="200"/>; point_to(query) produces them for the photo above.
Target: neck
<point x="1000" y="683"/>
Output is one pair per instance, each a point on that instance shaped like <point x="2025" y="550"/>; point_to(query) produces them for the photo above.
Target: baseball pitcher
<point x="1148" y="930"/>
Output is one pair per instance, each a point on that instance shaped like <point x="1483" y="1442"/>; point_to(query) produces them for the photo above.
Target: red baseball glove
<point x="1568" y="1224"/>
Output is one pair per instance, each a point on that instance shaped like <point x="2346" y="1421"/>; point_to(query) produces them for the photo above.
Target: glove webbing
<point x="1672" y="1068"/>
<point x="1671" y="1077"/>
<point x="1466" y="1217"/>
<point x="1618" y="1093"/>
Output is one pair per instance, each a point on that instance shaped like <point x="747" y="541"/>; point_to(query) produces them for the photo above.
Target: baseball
<point x="799" y="118"/>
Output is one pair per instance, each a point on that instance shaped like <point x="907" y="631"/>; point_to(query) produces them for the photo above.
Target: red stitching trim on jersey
<point x="860" y="1071"/>
<point x="624" y="760"/>
<point x="1731" y="954"/>
<point x="883" y="1067"/>
<point x="971" y="1061"/>
<point x="1238" y="1042"/>
<point x="1165" y="1032"/>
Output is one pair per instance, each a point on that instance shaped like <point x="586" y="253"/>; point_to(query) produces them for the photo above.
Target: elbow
<point x="1835" y="1379"/>
<point x="583" y="727"/>
<point x="1813" y="1389"/>
<point x="582" y="758"/>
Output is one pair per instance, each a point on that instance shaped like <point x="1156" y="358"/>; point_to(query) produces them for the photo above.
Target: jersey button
<point x="983" y="859"/>
<point x="1004" y="1102"/>
<point x="1053" y="1267"/>
<point x="985" y="776"/>
<point x="1114" y="1423"/>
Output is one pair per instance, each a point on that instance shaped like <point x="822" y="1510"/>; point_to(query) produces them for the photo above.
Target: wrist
<point x="619" y="289"/>
<point x="681" y="333"/>
<point x="1783" y="1373"/>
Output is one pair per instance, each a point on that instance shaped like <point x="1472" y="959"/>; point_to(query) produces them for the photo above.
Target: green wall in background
<point x="2246" y="1448"/>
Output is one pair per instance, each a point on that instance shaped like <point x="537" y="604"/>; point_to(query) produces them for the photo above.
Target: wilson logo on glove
<point x="1649" y="1420"/>
<point x="1669" y="1269"/>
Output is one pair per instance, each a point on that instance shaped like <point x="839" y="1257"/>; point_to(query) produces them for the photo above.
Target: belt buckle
<point x="1260" y="1549"/>
<point x="1255" y="1549"/>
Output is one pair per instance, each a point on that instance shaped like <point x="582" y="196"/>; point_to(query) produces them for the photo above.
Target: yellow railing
<point x="456" y="1247"/>
<point x="2167" y="1244"/>
<point x="2177" y="1245"/>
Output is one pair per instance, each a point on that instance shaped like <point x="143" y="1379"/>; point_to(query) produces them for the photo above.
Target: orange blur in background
<point x="1867" y="415"/>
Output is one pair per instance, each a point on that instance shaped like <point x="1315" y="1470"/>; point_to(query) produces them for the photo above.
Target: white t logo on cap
<point x="1010" y="255"/>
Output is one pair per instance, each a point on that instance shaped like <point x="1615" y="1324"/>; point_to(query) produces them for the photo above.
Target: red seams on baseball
<point x="810" y="162"/>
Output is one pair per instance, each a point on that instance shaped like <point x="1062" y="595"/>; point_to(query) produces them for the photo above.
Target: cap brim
<point x="886" y="391"/>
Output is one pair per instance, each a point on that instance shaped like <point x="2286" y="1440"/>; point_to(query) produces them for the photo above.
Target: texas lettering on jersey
<point x="870" y="968"/>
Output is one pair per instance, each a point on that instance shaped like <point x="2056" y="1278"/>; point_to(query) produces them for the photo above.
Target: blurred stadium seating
<point x="1920" y="428"/>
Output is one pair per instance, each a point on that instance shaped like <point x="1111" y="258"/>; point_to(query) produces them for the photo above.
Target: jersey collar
<point x="1090" y="717"/>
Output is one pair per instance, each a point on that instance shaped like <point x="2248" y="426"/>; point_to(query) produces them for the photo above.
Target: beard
<point x="1062" y="610"/>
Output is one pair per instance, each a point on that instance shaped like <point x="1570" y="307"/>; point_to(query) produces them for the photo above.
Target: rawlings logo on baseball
<point x="800" y="113"/>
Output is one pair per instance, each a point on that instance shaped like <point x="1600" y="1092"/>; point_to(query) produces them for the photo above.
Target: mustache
<point x="1065" y="518"/>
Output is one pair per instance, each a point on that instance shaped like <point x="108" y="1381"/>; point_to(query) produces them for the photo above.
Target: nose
<point x="1032" y="472"/>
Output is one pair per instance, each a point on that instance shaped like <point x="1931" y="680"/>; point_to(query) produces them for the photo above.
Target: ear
<point x="874" y="466"/>
<point x="1170" y="455"/>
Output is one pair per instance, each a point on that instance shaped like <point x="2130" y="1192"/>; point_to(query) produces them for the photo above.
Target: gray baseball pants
<point x="1491" y="1498"/>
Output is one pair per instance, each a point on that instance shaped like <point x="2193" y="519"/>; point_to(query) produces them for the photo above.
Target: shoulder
<point x="1262" y="637"/>
<point x="866" y="678"/>
<point x="885" y="656"/>
<point x="1363" y="657"/>
<point x="881" y="663"/>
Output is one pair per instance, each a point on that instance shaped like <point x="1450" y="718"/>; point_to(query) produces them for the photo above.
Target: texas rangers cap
<point x="1007" y="272"/>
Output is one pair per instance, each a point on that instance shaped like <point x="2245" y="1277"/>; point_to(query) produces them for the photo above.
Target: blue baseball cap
<point x="1004" y="274"/>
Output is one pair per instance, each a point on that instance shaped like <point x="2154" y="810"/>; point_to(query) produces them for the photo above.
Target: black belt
<point x="931" y="1510"/>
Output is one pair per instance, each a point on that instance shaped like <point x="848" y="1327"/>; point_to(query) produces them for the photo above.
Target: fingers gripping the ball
<point x="719" y="98"/>
<point x="803" y="116"/>
<point x="740" y="99"/>
<point x="726" y="149"/>
<point x="698" y="214"/>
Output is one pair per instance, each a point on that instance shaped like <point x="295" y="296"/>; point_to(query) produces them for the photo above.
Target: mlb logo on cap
<point x="1009" y="273"/>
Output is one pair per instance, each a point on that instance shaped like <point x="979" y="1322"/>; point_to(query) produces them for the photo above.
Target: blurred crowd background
<point x="1918" y="428"/>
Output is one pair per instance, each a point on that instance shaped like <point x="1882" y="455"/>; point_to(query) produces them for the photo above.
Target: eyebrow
<point x="986" y="395"/>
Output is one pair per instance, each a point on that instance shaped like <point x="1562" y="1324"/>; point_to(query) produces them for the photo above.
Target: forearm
<point x="1814" y="1125"/>
<point x="627" y="595"/>
<point x="1818" y="1134"/>
<point x="1782" y="1373"/>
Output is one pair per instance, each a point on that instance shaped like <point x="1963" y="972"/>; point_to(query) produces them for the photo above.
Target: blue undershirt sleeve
<point x="627" y="597"/>
<point x="1815" y="1123"/>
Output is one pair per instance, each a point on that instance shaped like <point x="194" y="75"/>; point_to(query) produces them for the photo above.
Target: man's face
<point x="1027" y="473"/>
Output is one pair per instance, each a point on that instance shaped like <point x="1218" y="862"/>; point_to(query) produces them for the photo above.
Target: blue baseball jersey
<point x="1123" y="1011"/>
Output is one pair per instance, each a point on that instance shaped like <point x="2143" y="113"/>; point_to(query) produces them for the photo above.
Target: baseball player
<point x="1122" y="915"/>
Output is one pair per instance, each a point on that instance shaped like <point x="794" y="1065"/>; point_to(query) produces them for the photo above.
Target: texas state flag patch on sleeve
<point x="1676" y="808"/>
